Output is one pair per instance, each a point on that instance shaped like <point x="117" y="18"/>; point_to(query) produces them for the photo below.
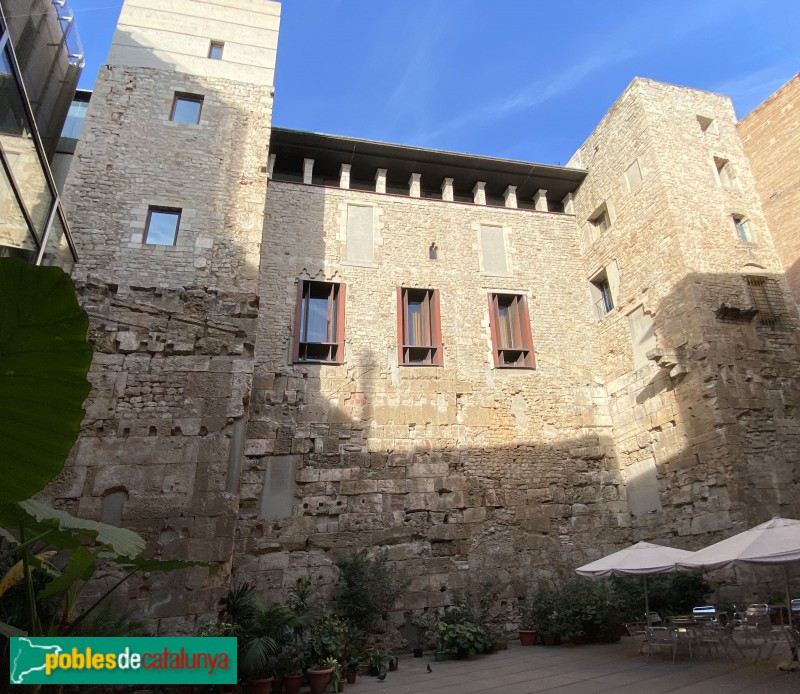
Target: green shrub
<point x="367" y="588"/>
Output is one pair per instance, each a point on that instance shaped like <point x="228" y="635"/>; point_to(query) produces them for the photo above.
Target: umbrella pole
<point x="647" y="602"/>
<point x="788" y="594"/>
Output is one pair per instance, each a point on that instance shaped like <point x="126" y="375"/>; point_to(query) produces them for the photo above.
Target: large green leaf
<point x="80" y="567"/>
<point x="44" y="359"/>
<point x="36" y="517"/>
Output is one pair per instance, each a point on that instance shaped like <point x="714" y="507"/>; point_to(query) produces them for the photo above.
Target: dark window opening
<point x="319" y="322"/>
<point x="419" y="327"/>
<point x="433" y="252"/>
<point x="601" y="295"/>
<point x="510" y="326"/>
<point x="742" y="228"/>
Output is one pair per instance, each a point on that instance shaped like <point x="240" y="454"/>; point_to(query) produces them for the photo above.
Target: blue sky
<point x="506" y="78"/>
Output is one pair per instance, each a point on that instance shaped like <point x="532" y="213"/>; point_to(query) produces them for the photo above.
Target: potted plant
<point x="376" y="660"/>
<point x="464" y="639"/>
<point x="337" y="679"/>
<point x="289" y="667"/>
<point x="394" y="663"/>
<point x="424" y="626"/>
<point x="527" y="627"/>
<point x="320" y="676"/>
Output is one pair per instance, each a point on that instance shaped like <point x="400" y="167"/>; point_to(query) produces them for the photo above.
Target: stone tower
<point x="700" y="349"/>
<point x="167" y="196"/>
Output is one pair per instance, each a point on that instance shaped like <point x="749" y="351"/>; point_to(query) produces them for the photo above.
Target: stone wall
<point x="460" y="469"/>
<point x="173" y="326"/>
<point x="692" y="426"/>
<point x="771" y="139"/>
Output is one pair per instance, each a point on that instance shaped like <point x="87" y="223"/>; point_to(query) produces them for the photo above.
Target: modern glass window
<point x="215" y="50"/>
<point x="162" y="226"/>
<point x="511" y="331"/>
<point x="319" y="322"/>
<point x="186" y="108"/>
<point x="419" y="331"/>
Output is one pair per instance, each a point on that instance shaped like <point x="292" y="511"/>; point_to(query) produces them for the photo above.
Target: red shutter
<point x="436" y="328"/>
<point x="525" y="327"/>
<point x="340" y="298"/>
<point x="400" y="325"/>
<point x="493" y="327"/>
<point x="298" y="312"/>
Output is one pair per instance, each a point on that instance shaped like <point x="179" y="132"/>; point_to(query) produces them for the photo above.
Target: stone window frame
<point x="601" y="220"/>
<point x="725" y="172"/>
<point x="377" y="234"/>
<point x="186" y="240"/>
<point x="507" y="247"/>
<point x="743" y="229"/>
<point x="602" y="295"/>
<point x="187" y="97"/>
<point x="336" y="323"/>
<point x="431" y="353"/>
<point x="503" y="356"/>
<point x="159" y="209"/>
<point x="214" y="44"/>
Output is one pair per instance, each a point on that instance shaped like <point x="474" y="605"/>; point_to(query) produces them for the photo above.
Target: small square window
<point x="319" y="323"/>
<point x="511" y="331"/>
<point x="162" y="225"/>
<point x="419" y="329"/>
<point x="215" y="50"/>
<point x="186" y="108"/>
<point x="742" y="229"/>
<point x="601" y="294"/>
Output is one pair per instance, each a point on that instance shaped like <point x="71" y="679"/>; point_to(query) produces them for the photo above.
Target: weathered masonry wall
<point x="692" y="422"/>
<point x="458" y="469"/>
<point x="771" y="138"/>
<point x="173" y="325"/>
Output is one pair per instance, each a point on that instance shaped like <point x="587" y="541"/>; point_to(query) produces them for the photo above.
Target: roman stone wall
<point x="173" y="326"/>
<point x="461" y="469"/>
<point x="771" y="139"/>
<point x="691" y="425"/>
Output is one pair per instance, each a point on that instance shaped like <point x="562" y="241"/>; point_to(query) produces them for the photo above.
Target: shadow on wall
<point x="173" y="327"/>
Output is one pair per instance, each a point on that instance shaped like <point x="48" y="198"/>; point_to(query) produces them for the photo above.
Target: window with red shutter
<point x="511" y="331"/>
<point x="419" y="331"/>
<point x="319" y="322"/>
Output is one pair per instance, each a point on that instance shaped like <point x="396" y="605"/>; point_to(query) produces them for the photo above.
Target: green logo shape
<point x="123" y="660"/>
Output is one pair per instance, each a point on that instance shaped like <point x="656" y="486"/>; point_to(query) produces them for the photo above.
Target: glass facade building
<point x="40" y="63"/>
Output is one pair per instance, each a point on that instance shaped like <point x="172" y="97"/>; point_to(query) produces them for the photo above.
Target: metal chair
<point x="638" y="633"/>
<point x="715" y="635"/>
<point x="652" y="618"/>
<point x="661" y="637"/>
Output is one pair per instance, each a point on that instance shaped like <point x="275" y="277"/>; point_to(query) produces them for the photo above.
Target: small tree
<point x="367" y="588"/>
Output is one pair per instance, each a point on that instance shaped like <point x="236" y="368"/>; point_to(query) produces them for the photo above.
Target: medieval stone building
<point x="307" y="344"/>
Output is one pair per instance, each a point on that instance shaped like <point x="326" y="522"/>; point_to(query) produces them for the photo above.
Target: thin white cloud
<point x="749" y="90"/>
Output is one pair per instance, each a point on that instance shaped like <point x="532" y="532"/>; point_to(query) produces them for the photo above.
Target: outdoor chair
<point x="714" y="635"/>
<point x="756" y="624"/>
<point x="661" y="637"/>
<point x="779" y="635"/>
<point x="638" y="633"/>
<point x="652" y="618"/>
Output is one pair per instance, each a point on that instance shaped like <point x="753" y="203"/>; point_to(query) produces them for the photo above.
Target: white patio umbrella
<point x="641" y="559"/>
<point x="775" y="542"/>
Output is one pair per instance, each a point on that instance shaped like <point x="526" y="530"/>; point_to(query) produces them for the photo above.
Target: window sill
<point x="318" y="362"/>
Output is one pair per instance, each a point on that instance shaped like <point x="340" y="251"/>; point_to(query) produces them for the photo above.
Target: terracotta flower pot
<point x="319" y="680"/>
<point x="393" y="664"/>
<point x="350" y="676"/>
<point x="292" y="683"/>
<point x="262" y="685"/>
<point x="340" y="688"/>
<point x="528" y="637"/>
<point x="277" y="686"/>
